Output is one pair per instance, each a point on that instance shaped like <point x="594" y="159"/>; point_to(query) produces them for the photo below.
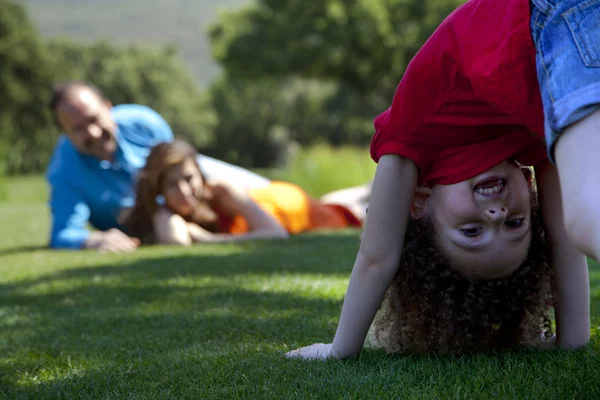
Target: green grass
<point x="214" y="322"/>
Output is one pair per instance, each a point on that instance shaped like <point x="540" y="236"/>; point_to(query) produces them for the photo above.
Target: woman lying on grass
<point x="450" y="212"/>
<point x="176" y="205"/>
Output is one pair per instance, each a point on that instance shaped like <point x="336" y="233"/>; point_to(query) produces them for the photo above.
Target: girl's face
<point x="483" y="225"/>
<point x="182" y="186"/>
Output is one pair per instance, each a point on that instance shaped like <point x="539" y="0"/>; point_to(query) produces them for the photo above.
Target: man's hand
<point x="112" y="241"/>
<point x="317" y="351"/>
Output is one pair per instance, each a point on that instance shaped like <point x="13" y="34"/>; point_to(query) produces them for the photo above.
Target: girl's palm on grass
<point x="317" y="351"/>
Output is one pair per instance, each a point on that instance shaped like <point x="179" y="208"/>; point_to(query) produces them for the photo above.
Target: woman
<point x="175" y="204"/>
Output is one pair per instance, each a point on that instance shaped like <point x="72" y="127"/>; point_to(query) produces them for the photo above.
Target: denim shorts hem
<point x="566" y="34"/>
<point x="570" y="110"/>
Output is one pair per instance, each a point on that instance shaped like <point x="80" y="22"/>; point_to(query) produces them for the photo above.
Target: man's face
<point x="87" y="121"/>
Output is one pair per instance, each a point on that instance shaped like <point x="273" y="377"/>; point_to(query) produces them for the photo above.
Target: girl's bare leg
<point x="577" y="155"/>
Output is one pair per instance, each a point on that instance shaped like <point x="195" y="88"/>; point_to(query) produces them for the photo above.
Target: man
<point x="93" y="169"/>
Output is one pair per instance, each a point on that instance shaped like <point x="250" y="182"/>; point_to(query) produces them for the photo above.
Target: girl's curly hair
<point x="431" y="308"/>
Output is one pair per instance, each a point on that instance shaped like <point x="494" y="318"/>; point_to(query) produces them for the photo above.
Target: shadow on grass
<point x="177" y="326"/>
<point x="22" y="250"/>
<point x="261" y="374"/>
<point x="320" y="254"/>
<point x="114" y="315"/>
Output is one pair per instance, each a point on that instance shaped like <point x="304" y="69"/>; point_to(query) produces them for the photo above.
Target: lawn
<point x="214" y="322"/>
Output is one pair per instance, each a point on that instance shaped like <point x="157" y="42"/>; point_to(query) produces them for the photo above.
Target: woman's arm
<point x="201" y="235"/>
<point x="170" y="228"/>
<point x="570" y="265"/>
<point x="237" y="202"/>
<point x="377" y="260"/>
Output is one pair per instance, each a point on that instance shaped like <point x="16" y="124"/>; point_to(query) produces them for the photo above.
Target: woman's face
<point x="182" y="187"/>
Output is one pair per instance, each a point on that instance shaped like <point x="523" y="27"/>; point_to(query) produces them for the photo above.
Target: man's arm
<point x="150" y="126"/>
<point x="570" y="265"/>
<point x="69" y="212"/>
<point x="161" y="131"/>
<point x="70" y="215"/>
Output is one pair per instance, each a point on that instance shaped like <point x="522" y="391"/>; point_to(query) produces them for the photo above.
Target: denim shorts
<point x="566" y="34"/>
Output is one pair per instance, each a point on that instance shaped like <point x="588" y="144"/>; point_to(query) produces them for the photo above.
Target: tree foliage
<point x="294" y="71"/>
<point x="135" y="74"/>
<point x="30" y="66"/>
<point x="24" y="84"/>
<point x="358" y="49"/>
<point x="366" y="44"/>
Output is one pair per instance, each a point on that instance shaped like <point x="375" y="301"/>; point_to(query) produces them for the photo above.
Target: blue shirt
<point x="84" y="189"/>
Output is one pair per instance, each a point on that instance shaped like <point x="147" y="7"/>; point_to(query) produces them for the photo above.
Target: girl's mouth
<point x="490" y="187"/>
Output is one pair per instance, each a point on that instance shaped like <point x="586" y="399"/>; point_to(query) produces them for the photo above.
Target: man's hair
<point x="61" y="89"/>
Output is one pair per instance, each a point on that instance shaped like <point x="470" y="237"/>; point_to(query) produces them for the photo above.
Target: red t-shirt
<point x="470" y="97"/>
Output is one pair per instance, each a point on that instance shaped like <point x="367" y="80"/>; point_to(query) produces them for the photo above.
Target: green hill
<point x="154" y="22"/>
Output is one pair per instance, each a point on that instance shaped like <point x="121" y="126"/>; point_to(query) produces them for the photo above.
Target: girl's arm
<point x="570" y="265"/>
<point x="377" y="260"/>
<point x="237" y="202"/>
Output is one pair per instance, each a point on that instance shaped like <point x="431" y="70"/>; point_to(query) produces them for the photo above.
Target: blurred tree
<point x="258" y="121"/>
<point x="25" y="143"/>
<point x="304" y="71"/>
<point x="249" y="131"/>
<point x="353" y="51"/>
<point x="135" y="74"/>
<point x="365" y="44"/>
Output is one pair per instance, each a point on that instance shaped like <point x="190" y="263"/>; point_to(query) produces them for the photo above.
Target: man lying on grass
<point x="95" y="164"/>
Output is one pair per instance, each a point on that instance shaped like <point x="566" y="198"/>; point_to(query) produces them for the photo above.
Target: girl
<point x="468" y="101"/>
<point x="176" y="205"/>
<point x="483" y="283"/>
<point x="435" y="306"/>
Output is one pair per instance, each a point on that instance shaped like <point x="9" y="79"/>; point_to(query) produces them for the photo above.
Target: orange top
<point x="294" y="209"/>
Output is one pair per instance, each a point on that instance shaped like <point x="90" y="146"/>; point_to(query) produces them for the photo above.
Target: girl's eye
<point x="471" y="232"/>
<point x="514" y="223"/>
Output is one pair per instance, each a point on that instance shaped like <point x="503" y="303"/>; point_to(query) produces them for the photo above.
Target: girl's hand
<point x="317" y="351"/>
